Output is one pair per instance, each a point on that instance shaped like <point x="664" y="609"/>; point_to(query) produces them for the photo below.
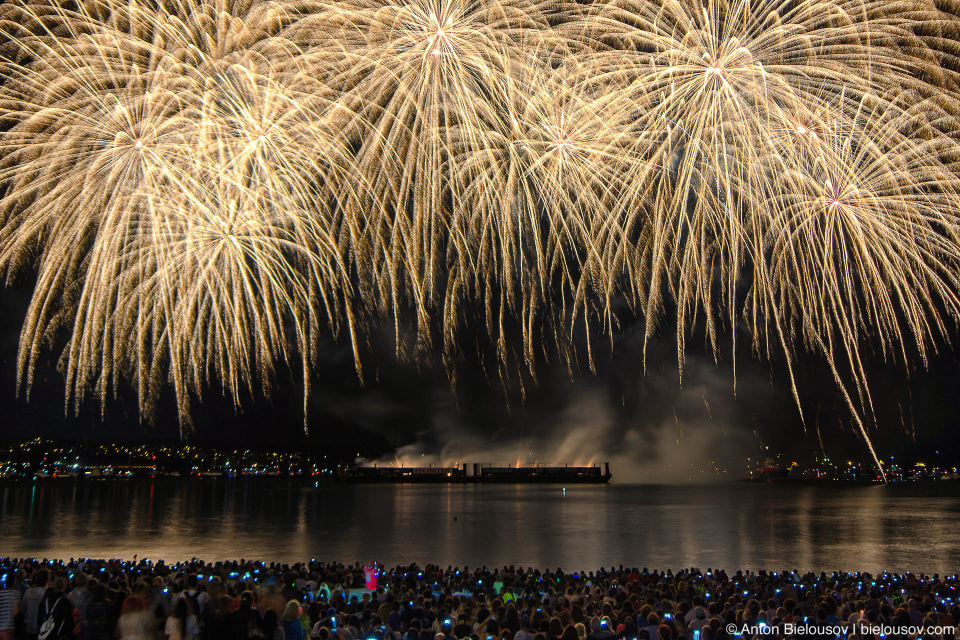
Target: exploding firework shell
<point x="203" y="186"/>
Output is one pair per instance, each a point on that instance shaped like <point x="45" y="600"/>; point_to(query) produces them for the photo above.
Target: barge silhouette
<point x="477" y="473"/>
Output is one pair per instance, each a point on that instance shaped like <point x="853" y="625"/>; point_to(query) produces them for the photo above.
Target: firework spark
<point x="204" y="185"/>
<point x="181" y="189"/>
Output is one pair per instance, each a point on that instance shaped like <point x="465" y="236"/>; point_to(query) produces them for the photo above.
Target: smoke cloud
<point x="649" y="427"/>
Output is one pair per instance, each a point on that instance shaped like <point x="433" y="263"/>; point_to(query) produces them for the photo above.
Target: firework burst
<point x="740" y="99"/>
<point x="536" y="195"/>
<point x="204" y="185"/>
<point x="185" y="188"/>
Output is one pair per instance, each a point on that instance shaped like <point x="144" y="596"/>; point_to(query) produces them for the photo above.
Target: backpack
<point x="77" y="623"/>
<point x="78" y="615"/>
<point x="49" y="628"/>
<point x="100" y="621"/>
<point x="254" y="625"/>
<point x="195" y="600"/>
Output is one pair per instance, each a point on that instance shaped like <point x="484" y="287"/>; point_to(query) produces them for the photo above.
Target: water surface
<point x="735" y="526"/>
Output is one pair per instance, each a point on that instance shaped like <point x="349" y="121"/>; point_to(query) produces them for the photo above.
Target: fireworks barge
<point x="477" y="473"/>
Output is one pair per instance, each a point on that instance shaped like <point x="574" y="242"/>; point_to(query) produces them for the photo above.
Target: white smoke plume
<point x="694" y="434"/>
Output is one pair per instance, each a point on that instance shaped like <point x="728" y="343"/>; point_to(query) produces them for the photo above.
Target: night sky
<point x="620" y="411"/>
<point x="629" y="409"/>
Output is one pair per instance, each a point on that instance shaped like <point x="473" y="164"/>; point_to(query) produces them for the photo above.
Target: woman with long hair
<point x="292" y="626"/>
<point x="247" y="621"/>
<point x="271" y="626"/>
<point x="135" y="620"/>
<point x="181" y="624"/>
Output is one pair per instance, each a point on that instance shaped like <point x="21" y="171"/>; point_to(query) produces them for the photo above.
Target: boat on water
<point x="770" y="471"/>
<point x="478" y="473"/>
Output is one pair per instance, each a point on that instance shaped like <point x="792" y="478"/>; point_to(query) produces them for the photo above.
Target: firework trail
<point x="536" y="196"/>
<point x="180" y="187"/>
<point x="801" y="178"/>
<point x="202" y="186"/>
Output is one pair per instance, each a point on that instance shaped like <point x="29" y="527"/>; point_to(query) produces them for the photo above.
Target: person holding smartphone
<point x="601" y="629"/>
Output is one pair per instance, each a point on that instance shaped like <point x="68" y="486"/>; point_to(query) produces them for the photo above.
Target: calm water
<point x="734" y="525"/>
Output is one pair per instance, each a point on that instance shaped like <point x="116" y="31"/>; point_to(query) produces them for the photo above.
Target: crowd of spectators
<point x="145" y="600"/>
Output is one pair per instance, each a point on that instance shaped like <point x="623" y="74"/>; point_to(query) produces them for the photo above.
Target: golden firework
<point x="188" y="190"/>
<point x="202" y="185"/>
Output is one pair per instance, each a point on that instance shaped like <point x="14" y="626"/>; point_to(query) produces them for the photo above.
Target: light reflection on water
<point x="746" y="526"/>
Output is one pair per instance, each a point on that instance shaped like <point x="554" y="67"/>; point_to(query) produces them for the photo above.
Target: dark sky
<point x="618" y="411"/>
